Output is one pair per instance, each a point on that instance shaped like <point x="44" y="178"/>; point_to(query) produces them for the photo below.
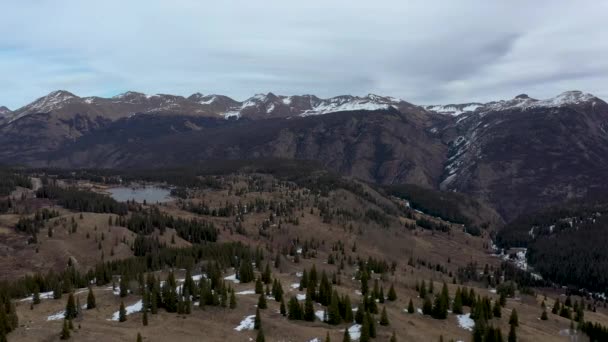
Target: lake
<point x="150" y="194"/>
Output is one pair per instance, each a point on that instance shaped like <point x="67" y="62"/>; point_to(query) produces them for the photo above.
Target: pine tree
<point x="392" y="295"/>
<point x="139" y="338"/>
<point x="365" y="336"/>
<point x="294" y="310"/>
<point x="122" y="313"/>
<point x="556" y="308"/>
<point x="36" y="296"/>
<point x="497" y="310"/>
<point x="91" y="300"/>
<point x="422" y="291"/>
<point x="457" y="305"/>
<point x="123" y="285"/>
<point x="262" y="302"/>
<point x="232" y="299"/>
<point x="512" y="335"/>
<point x="70" y="308"/>
<point x="503" y="299"/>
<point x="144" y="318"/>
<point x="282" y="308"/>
<point x="393" y="338"/>
<point x="513" y="320"/>
<point x="384" y="317"/>
<point x="260" y="336"/>
<point x="410" y="307"/>
<point x="427" y="306"/>
<point x="346" y="337"/>
<point x="65" y="331"/>
<point x="372" y="325"/>
<point x="259" y="287"/>
<point x="348" y="310"/>
<point x="257" y="323"/>
<point x="266" y="275"/>
<point x="359" y="314"/>
<point x="309" y="310"/>
<point x="543" y="316"/>
<point x="333" y="310"/>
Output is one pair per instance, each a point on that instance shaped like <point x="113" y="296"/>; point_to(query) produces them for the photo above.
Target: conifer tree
<point x="139" y="338"/>
<point x="513" y="320"/>
<point x="262" y="302"/>
<point x="384" y="317"/>
<point x="457" y="305"/>
<point x="309" y="310"/>
<point x="372" y="325"/>
<point x="543" y="316"/>
<point x="556" y="307"/>
<point x="410" y="307"/>
<point x="497" y="310"/>
<point x="259" y="287"/>
<point x="294" y="310"/>
<point x="232" y="299"/>
<point x="427" y="306"/>
<point x="257" y="323"/>
<point x="365" y="336"/>
<point x="359" y="314"/>
<point x="346" y="337"/>
<point x="512" y="335"/>
<point x="422" y="291"/>
<point x="91" y="304"/>
<point x="333" y="309"/>
<point x="36" y="296"/>
<point x="282" y="308"/>
<point x="348" y="310"/>
<point x="70" y="308"/>
<point x="144" y="318"/>
<point x="123" y="285"/>
<point x="327" y="339"/>
<point x="122" y="313"/>
<point x="260" y="336"/>
<point x="392" y="295"/>
<point x="65" y="331"/>
<point x="393" y="338"/>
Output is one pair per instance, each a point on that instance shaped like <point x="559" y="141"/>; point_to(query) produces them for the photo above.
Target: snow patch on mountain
<point x="454" y="110"/>
<point x="350" y="103"/>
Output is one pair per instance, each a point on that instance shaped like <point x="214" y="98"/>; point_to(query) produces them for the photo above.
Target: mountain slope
<point x="383" y="146"/>
<point x="523" y="154"/>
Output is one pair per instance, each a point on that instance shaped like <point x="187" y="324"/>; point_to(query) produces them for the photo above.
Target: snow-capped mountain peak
<point x="521" y="102"/>
<point x="4" y="111"/>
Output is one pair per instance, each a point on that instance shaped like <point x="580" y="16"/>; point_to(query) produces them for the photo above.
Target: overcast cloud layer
<point x="424" y="52"/>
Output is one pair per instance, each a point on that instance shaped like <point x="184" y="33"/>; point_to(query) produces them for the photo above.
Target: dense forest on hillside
<point x="9" y="179"/>
<point x="566" y="244"/>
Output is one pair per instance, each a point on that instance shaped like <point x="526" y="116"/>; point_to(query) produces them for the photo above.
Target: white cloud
<point x="422" y="51"/>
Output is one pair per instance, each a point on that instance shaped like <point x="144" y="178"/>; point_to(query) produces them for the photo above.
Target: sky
<point x="425" y="52"/>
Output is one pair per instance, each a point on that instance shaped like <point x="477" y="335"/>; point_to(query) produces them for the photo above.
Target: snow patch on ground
<point x="301" y="296"/>
<point x="355" y="332"/>
<point x="232" y="278"/>
<point x="43" y="295"/>
<point x="465" y="322"/>
<point x="320" y="314"/>
<point x="56" y="317"/>
<point x="246" y="292"/>
<point x="246" y="324"/>
<point x="131" y="309"/>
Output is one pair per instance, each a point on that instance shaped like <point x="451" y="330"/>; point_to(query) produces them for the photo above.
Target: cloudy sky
<point x="422" y="51"/>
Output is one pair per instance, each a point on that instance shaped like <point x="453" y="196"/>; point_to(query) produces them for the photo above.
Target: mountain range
<point x="517" y="155"/>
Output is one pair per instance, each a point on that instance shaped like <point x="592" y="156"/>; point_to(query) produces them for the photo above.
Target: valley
<point x="227" y="226"/>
